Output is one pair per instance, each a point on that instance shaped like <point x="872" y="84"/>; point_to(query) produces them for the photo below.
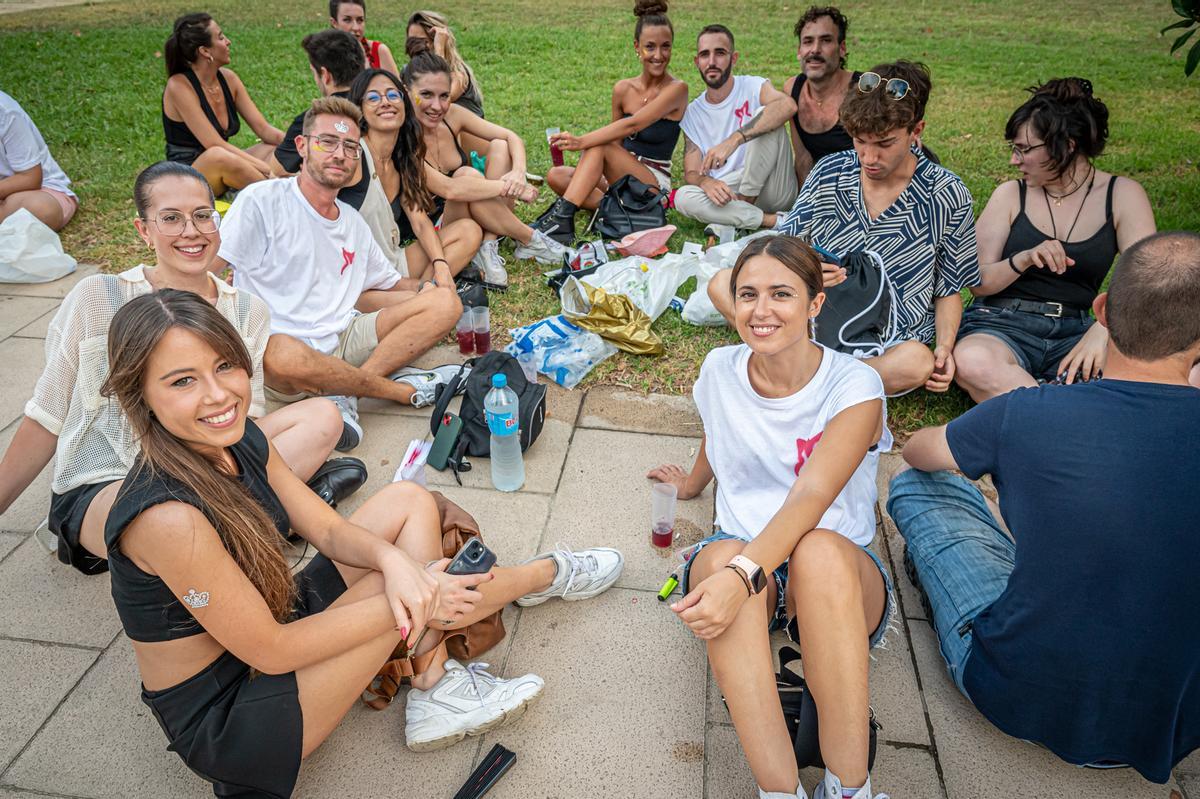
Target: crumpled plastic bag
<point x="649" y="283"/>
<point x="563" y="351"/>
<point x="30" y="252"/>
<point x="699" y="310"/>
<point x="612" y="316"/>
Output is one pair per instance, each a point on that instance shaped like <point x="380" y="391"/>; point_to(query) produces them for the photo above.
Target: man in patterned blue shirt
<point x="886" y="196"/>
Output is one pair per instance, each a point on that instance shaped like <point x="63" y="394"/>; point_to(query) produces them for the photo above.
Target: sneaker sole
<point x="505" y="717"/>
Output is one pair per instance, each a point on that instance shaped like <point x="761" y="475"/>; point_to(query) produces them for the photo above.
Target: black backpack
<point x="475" y="438"/>
<point x="629" y="206"/>
<point x="800" y="714"/>
<point x="859" y="314"/>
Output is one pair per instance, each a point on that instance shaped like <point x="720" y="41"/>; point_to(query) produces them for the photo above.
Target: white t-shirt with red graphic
<point x="706" y="125"/>
<point x="757" y="445"/>
<point x="308" y="269"/>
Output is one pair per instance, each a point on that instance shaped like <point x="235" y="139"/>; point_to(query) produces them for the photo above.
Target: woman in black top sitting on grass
<point x="1046" y="243"/>
<point x="646" y="111"/>
<point x="201" y="105"/>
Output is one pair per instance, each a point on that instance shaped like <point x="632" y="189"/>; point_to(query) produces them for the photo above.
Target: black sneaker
<point x="558" y="223"/>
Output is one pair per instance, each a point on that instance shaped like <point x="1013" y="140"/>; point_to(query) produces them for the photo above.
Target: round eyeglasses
<point x="894" y="88"/>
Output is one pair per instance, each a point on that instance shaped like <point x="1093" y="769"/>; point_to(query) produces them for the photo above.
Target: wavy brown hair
<point x="247" y="532"/>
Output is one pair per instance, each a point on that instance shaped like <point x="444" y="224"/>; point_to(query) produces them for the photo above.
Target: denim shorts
<point x="1038" y="342"/>
<point x="779" y="620"/>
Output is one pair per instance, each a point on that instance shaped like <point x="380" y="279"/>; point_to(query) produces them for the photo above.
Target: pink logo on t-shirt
<point x="804" y="448"/>
<point x="743" y="112"/>
<point x="347" y="259"/>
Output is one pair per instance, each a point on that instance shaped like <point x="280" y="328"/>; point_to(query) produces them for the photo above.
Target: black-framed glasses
<point x="375" y="98"/>
<point x="326" y="143"/>
<point x="174" y="223"/>
<point x="894" y="88"/>
<point x="1019" y="152"/>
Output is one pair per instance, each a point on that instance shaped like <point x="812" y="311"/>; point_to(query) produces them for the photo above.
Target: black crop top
<point x="180" y="135"/>
<point x="656" y="141"/>
<point x="148" y="609"/>
<point x="834" y="140"/>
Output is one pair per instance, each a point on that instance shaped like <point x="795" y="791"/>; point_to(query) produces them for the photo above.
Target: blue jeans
<point x="1038" y="342"/>
<point x="962" y="557"/>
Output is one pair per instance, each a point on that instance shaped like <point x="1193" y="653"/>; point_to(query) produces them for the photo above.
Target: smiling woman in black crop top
<point x="201" y="105"/>
<point x="640" y="140"/>
<point x="1046" y="244"/>
<point x="247" y="668"/>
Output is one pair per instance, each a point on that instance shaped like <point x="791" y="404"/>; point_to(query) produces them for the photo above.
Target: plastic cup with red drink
<point x="556" y="155"/>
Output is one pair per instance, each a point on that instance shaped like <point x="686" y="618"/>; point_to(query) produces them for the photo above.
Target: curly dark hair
<point x="409" y="153"/>
<point x="814" y="13"/>
<point x="1067" y="117"/>
<point x="874" y="113"/>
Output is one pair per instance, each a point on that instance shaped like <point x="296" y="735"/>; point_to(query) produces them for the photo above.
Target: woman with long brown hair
<point x="247" y="669"/>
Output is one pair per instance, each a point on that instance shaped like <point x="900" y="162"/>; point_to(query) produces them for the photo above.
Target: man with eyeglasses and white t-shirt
<point x="313" y="260"/>
<point x="886" y="196"/>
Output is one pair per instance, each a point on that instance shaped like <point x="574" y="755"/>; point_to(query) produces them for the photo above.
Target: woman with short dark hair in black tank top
<point x="1046" y="243"/>
<point x="640" y="140"/>
<point x="201" y="105"/>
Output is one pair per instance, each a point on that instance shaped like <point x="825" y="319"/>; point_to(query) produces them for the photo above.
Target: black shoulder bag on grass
<point x="629" y="206"/>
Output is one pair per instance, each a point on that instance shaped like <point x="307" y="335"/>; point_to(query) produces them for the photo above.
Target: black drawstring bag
<point x="629" y="206"/>
<point x="800" y="714"/>
<point x="859" y="314"/>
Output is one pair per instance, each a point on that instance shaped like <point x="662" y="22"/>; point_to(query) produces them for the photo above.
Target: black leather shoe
<point x="337" y="479"/>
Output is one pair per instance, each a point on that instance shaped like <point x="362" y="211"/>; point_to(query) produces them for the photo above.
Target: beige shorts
<point x="661" y="175"/>
<point x="355" y="344"/>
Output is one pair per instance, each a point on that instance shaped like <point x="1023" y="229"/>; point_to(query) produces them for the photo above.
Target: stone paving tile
<point x="44" y="600"/>
<point x="9" y="542"/>
<point x="47" y="674"/>
<point x="611" y="408"/>
<point x="14" y="793"/>
<point x="604" y="499"/>
<point x="979" y="760"/>
<point x="543" y="463"/>
<point x="726" y="773"/>
<point x="25" y="358"/>
<point x="24" y="515"/>
<point x="611" y="722"/>
<point x="56" y="289"/>
<point x="39" y="327"/>
<point x="103" y="742"/>
<point x="17" y="312"/>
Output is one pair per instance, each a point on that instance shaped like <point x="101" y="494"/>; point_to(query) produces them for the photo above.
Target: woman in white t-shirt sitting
<point x="30" y="178"/>
<point x="91" y="441"/>
<point x="788" y="505"/>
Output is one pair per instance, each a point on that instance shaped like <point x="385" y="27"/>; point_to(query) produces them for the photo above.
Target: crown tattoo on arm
<point x="195" y="599"/>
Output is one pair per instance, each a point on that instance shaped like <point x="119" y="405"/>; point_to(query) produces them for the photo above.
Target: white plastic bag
<point x="699" y="310"/>
<point x="649" y="283"/>
<point x="30" y="252"/>
<point x="563" y="351"/>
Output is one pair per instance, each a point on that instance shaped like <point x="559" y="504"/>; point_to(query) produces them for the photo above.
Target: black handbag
<point x="629" y="206"/>
<point x="859" y="314"/>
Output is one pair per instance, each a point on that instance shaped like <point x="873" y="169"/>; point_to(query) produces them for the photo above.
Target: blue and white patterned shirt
<point x="926" y="238"/>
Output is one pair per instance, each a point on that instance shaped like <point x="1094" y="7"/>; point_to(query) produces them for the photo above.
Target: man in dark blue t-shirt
<point x="1082" y="631"/>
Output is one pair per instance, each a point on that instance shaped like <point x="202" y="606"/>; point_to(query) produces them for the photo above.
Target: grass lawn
<point x="92" y="76"/>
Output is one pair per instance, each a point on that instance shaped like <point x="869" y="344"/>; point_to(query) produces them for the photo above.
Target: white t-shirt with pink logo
<point x="309" y="270"/>
<point x="706" y="125"/>
<point x="757" y="445"/>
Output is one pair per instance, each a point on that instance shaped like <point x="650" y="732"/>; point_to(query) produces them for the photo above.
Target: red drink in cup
<point x="556" y="155"/>
<point x="481" y="322"/>
<point x="662" y="514"/>
<point x="465" y="333"/>
<point x="662" y="535"/>
<point x="483" y="342"/>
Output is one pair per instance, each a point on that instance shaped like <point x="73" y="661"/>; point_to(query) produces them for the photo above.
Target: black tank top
<point x="148" y="609"/>
<point x="834" y="140"/>
<point x="656" y="141"/>
<point x="1079" y="285"/>
<point x="462" y="156"/>
<point x="180" y="135"/>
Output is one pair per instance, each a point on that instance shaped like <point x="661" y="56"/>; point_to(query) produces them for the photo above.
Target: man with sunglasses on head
<point x="886" y="196"/>
<point x="314" y="261"/>
<point x="335" y="58"/>
<point x="737" y="158"/>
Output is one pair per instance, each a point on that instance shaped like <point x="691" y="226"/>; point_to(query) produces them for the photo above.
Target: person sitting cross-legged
<point x="30" y="178"/>
<point x="1078" y="631"/>
<point x="792" y="434"/>
<point x="885" y="195"/>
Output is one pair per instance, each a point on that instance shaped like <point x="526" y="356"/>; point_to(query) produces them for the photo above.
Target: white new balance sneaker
<point x="581" y="575"/>
<point x="491" y="265"/>
<point x="426" y="381"/>
<point x="799" y="794"/>
<point x="542" y="249"/>
<point x="467" y="700"/>
<point x="831" y="788"/>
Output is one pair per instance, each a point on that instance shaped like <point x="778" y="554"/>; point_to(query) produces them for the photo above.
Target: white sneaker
<point x="581" y="575"/>
<point x="831" y="788"/>
<point x="490" y="264"/>
<point x="465" y="701"/>
<point x="799" y="794"/>
<point x="352" y="432"/>
<point x="542" y="249"/>
<point x="426" y="381"/>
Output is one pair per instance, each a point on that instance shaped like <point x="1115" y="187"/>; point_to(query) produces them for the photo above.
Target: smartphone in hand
<point x="473" y="558"/>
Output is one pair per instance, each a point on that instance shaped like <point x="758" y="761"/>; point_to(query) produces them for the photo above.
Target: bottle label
<point x="501" y="424"/>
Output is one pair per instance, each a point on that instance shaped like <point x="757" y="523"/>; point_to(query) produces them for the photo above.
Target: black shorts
<point x="244" y="734"/>
<point x="66" y="521"/>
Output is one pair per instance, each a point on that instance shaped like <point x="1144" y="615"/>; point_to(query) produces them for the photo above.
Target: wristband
<point x="1013" y="266"/>
<point x="743" y="135"/>
<point x="443" y="260"/>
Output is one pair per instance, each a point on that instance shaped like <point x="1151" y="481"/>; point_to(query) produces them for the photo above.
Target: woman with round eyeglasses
<point x="203" y="104"/>
<point x="89" y="438"/>
<point x="1046" y="243"/>
<point x="389" y="190"/>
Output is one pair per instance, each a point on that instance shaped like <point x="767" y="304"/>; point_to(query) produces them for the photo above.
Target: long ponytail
<point x="189" y="34"/>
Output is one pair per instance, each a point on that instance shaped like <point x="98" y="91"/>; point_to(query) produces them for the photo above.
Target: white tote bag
<point x="30" y="252"/>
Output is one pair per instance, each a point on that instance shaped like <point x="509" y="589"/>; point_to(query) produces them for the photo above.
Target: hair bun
<point x="648" y="8"/>
<point x="1066" y="89"/>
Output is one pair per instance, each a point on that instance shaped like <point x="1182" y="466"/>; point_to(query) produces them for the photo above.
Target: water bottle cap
<point x="499" y="380"/>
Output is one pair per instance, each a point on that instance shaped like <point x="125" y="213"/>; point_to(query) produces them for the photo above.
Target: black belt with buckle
<point x="1053" y="309"/>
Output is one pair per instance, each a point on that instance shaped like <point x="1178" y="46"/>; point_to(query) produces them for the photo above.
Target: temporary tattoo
<point x="195" y="599"/>
<point x="341" y="127"/>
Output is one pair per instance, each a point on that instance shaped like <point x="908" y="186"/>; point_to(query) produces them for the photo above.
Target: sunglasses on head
<point x="894" y="88"/>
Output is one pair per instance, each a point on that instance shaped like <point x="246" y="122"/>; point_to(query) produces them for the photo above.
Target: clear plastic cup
<point x="481" y="324"/>
<point x="556" y="155"/>
<point x="662" y="514"/>
<point x="465" y="332"/>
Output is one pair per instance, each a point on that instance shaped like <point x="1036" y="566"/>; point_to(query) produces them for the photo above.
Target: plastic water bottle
<point x="500" y="407"/>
